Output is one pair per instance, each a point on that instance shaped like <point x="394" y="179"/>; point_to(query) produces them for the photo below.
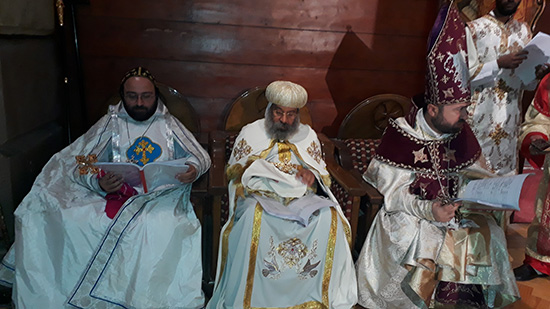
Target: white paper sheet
<point x="539" y="53"/>
<point x="498" y="193"/>
<point x="155" y="173"/>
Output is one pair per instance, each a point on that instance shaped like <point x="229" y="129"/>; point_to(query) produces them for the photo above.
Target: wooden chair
<point x="250" y="106"/>
<point x="247" y="108"/>
<point x="355" y="146"/>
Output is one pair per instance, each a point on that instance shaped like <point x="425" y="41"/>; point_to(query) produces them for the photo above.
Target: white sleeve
<point x="394" y="184"/>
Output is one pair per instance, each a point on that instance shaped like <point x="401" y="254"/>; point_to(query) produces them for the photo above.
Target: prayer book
<point x="498" y="193"/>
<point x="299" y="210"/>
<point x="539" y="53"/>
<point x="149" y="176"/>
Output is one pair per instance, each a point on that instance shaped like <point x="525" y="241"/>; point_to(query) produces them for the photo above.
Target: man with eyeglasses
<point x="87" y="238"/>
<point x="286" y="244"/>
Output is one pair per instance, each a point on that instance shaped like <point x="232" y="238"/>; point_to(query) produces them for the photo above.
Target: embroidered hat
<point x="287" y="94"/>
<point x="138" y="72"/>
<point x="447" y="75"/>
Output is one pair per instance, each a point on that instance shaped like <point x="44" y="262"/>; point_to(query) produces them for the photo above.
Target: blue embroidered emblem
<point x="143" y="151"/>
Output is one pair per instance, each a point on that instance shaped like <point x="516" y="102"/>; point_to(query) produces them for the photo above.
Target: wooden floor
<point x="534" y="293"/>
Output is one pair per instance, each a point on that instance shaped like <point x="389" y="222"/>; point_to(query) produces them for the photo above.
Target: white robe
<point x="403" y="233"/>
<point x="267" y="261"/>
<point x="495" y="112"/>
<point x="68" y="253"/>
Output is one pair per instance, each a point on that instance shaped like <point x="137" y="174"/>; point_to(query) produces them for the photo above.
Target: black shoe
<point x="525" y="272"/>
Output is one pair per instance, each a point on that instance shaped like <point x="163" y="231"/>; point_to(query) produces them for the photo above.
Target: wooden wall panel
<point x="210" y="94"/>
<point x="341" y="51"/>
<point x="225" y="44"/>
<point x="408" y="17"/>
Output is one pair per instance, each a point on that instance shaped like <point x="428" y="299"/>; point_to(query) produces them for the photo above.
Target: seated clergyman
<point x="287" y="242"/>
<point x="98" y="240"/>
<point x="419" y="252"/>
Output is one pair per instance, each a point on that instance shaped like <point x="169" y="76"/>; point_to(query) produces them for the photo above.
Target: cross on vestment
<point x="498" y="134"/>
<point x="142" y="148"/>
<point x="86" y="164"/>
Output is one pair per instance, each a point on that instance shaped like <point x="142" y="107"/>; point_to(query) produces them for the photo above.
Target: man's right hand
<point x="444" y="213"/>
<point x="513" y="60"/>
<point x="111" y="182"/>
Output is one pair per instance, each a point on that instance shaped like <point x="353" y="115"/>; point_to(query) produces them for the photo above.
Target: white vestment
<point x="266" y="261"/>
<point x="404" y="235"/>
<point x="68" y="253"/>
<point x="495" y="112"/>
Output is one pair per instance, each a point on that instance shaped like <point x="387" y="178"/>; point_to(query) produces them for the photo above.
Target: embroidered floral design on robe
<point x="242" y="149"/>
<point x="291" y="254"/>
<point x="315" y="152"/>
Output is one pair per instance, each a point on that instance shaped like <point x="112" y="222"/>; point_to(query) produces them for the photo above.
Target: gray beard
<point x="281" y="131"/>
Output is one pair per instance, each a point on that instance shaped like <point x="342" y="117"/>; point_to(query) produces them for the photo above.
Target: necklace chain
<point x="143" y="134"/>
<point x="132" y="159"/>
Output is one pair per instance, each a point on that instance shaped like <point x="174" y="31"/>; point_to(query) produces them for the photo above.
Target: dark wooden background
<point x="341" y="51"/>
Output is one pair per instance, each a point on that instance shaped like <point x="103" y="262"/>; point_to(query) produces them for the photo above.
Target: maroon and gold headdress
<point x="447" y="76"/>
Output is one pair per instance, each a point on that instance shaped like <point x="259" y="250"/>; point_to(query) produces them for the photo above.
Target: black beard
<point x="141" y="113"/>
<point x="281" y="131"/>
<point x="506" y="12"/>
<point x="446" y="128"/>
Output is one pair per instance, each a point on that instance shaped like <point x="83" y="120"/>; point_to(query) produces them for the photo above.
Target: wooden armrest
<point x="217" y="182"/>
<point x="375" y="197"/>
<point x="343" y="176"/>
<point x="201" y="184"/>
<point x="342" y="154"/>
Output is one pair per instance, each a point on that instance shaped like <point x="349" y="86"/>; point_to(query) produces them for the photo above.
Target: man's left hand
<point x="306" y="176"/>
<point x="188" y="176"/>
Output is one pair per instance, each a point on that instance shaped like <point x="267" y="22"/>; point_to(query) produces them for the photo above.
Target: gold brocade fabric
<point x="463" y="248"/>
<point x="423" y="280"/>
<point x="253" y="253"/>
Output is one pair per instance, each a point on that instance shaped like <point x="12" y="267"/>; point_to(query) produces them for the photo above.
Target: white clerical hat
<point x="287" y="94"/>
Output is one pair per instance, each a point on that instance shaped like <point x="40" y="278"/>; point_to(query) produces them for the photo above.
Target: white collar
<point x="425" y="129"/>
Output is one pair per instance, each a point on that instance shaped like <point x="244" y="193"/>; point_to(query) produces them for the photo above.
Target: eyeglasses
<point x="133" y="97"/>
<point x="279" y="113"/>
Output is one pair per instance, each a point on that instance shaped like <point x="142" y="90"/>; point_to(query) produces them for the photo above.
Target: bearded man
<point x="495" y="47"/>
<point x="286" y="244"/>
<point x="91" y="240"/>
<point x="418" y="252"/>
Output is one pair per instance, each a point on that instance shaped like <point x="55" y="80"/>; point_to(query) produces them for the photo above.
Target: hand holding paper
<point x="188" y="176"/>
<point x="538" y="54"/>
<point x="150" y="176"/>
<point x="111" y="182"/>
<point x="499" y="193"/>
